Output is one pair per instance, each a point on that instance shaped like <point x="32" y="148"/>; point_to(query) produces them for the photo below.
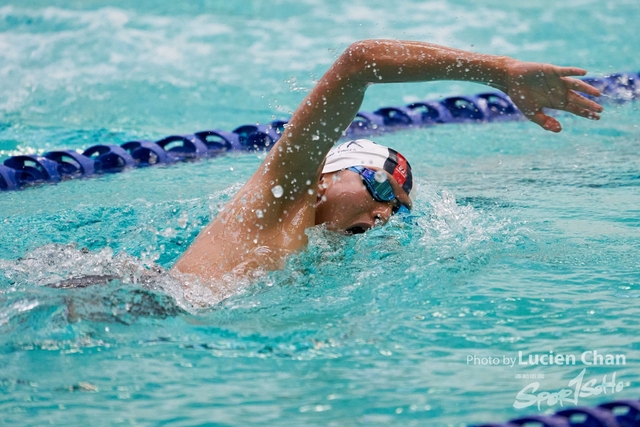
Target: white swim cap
<point x="363" y="152"/>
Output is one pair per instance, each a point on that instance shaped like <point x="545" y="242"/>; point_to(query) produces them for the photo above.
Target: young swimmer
<point x="359" y="184"/>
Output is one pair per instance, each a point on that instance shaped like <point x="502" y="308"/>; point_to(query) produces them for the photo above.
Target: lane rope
<point x="23" y="171"/>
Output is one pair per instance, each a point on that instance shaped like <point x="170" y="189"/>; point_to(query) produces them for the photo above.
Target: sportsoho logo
<point x="576" y="388"/>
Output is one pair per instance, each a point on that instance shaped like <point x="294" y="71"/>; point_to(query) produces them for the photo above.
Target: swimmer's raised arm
<point x="333" y="103"/>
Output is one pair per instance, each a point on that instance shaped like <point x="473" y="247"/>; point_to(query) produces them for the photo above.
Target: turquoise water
<point x="523" y="241"/>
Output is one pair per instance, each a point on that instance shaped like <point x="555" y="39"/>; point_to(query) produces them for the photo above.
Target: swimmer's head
<point x="346" y="202"/>
<point x="363" y="152"/>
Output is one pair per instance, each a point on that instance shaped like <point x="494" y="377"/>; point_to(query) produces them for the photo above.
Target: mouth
<point x="354" y="230"/>
<point x="357" y="229"/>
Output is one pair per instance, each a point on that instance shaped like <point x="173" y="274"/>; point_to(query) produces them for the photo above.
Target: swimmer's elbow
<point x="359" y="51"/>
<point x="353" y="61"/>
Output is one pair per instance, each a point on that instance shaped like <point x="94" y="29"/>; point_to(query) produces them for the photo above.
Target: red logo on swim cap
<point x="400" y="171"/>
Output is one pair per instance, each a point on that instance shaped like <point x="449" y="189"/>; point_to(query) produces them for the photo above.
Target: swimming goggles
<point x="380" y="191"/>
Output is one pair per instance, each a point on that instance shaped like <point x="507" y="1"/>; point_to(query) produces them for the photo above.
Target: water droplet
<point x="380" y="176"/>
<point x="277" y="191"/>
<point x="310" y="191"/>
<point x="259" y="213"/>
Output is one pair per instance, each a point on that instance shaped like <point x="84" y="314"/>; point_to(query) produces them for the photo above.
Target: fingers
<point x="581" y="86"/>
<point x="570" y="71"/>
<point x="546" y="122"/>
<point x="582" y="112"/>
<point x="582" y="102"/>
<point x="552" y="125"/>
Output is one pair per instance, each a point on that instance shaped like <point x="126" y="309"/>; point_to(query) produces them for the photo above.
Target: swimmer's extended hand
<point x="533" y="86"/>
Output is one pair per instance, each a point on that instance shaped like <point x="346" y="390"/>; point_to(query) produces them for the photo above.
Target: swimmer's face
<point x="346" y="206"/>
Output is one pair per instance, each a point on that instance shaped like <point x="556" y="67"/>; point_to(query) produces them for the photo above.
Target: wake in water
<point x="97" y="286"/>
<point x="65" y="267"/>
<point x="103" y="286"/>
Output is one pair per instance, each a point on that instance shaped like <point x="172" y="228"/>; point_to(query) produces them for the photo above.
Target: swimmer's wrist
<point x="502" y="65"/>
<point x="487" y="69"/>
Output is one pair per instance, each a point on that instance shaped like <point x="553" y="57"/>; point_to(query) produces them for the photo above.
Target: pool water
<point x="521" y="241"/>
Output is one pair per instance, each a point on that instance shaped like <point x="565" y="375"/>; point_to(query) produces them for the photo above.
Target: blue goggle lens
<point x="380" y="191"/>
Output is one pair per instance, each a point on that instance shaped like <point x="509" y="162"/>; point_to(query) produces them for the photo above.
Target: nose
<point x="382" y="212"/>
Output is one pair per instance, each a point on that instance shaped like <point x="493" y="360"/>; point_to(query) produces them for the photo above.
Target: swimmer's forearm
<point x="394" y="61"/>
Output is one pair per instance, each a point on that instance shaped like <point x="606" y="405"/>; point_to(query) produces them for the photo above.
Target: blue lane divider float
<point x="147" y="153"/>
<point x="108" y="158"/>
<point x="23" y="171"/>
<point x="32" y="170"/>
<point x="71" y="163"/>
<point x="619" y="413"/>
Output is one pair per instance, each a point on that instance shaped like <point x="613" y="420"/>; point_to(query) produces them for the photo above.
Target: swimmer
<point x="303" y="182"/>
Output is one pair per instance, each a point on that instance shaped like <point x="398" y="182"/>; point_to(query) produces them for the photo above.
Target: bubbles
<point x="168" y="232"/>
<point x="183" y="220"/>
<point x="277" y="191"/>
<point x="259" y="213"/>
<point x="380" y="176"/>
